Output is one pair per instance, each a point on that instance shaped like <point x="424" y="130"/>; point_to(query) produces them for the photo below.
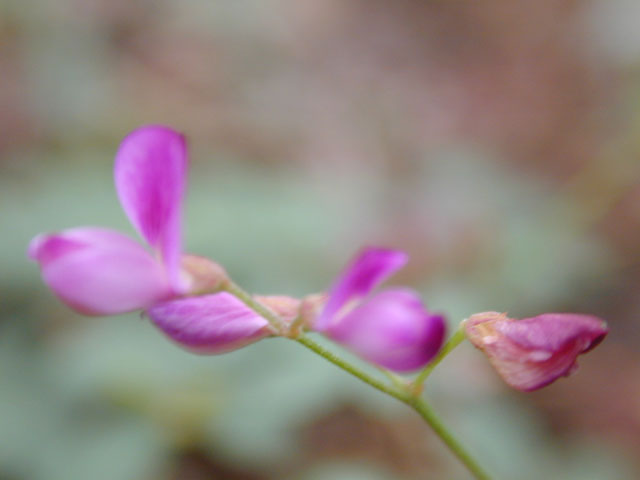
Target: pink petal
<point x="531" y="353"/>
<point x="150" y="176"/>
<point x="209" y="324"/>
<point x="392" y="330"/>
<point x="552" y="332"/>
<point x="371" y="267"/>
<point x="99" y="272"/>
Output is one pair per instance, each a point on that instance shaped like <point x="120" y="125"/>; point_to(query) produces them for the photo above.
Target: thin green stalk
<point x="407" y="395"/>
<point x="431" y="417"/>
<point x="353" y="370"/>
<point x="419" y="404"/>
<point x="253" y="304"/>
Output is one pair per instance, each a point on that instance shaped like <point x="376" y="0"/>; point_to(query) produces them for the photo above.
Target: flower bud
<point x="533" y="352"/>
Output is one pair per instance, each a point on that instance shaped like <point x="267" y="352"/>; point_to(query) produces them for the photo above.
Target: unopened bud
<point x="533" y="352"/>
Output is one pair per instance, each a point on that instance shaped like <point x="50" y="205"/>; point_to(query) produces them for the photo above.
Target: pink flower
<point x="97" y="271"/>
<point x="392" y="328"/>
<point x="533" y="352"/>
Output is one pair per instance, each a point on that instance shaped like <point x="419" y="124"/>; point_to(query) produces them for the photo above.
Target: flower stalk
<point x="408" y="397"/>
<point x="274" y="320"/>
<point x="407" y="394"/>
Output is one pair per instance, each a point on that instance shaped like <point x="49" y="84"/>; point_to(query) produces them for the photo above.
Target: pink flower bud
<point x="533" y="352"/>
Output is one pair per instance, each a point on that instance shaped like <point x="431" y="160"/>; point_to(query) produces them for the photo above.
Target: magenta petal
<point x="531" y="353"/>
<point x="209" y="324"/>
<point x="99" y="272"/>
<point x="392" y="330"/>
<point x="370" y="268"/>
<point x="552" y="332"/>
<point x="150" y="176"/>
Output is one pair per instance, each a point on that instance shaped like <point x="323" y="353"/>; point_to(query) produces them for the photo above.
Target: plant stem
<point x="431" y="417"/>
<point x="253" y="304"/>
<point x="352" y="369"/>
<point x="417" y="403"/>
<point x="406" y="395"/>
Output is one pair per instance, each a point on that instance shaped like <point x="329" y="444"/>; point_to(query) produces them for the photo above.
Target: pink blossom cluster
<point x="97" y="271"/>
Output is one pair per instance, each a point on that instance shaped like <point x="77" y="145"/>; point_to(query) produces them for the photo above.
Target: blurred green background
<point x="497" y="142"/>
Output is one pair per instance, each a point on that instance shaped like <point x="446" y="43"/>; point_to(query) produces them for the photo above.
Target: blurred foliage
<point x="497" y="142"/>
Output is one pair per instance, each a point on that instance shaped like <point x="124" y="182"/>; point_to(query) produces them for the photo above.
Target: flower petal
<point x="552" y="332"/>
<point x="531" y="353"/>
<point x="371" y="267"/>
<point x="209" y="324"/>
<point x="98" y="271"/>
<point x="150" y="176"/>
<point x="392" y="330"/>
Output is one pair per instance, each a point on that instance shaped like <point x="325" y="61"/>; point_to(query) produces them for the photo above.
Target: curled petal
<point x="209" y="324"/>
<point x="552" y="332"/>
<point x="392" y="329"/>
<point x="531" y="353"/>
<point x="150" y="175"/>
<point x="98" y="271"/>
<point x="370" y="268"/>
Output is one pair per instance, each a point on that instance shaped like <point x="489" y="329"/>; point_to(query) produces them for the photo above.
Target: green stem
<point x="353" y="370"/>
<point x="253" y="304"/>
<point x="455" y="340"/>
<point x="419" y="404"/>
<point x="406" y="395"/>
<point x="431" y="417"/>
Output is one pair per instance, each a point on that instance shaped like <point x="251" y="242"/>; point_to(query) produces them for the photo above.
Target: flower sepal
<point x="202" y="275"/>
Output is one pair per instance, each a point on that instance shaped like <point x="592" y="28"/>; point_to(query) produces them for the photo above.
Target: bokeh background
<point x="497" y="142"/>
